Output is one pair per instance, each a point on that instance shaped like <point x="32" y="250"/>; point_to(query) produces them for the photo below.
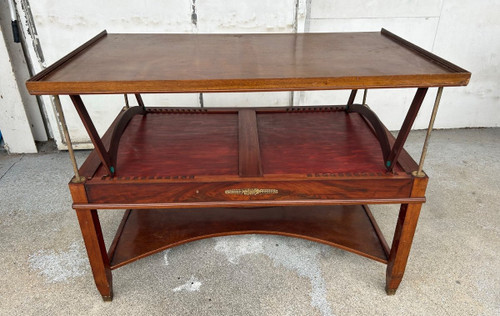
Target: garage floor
<point x="454" y="266"/>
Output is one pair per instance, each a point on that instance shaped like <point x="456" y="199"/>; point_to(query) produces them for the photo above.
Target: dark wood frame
<point x="328" y="207"/>
<point x="114" y="192"/>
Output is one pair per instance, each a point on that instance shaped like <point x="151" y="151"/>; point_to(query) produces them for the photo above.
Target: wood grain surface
<point x="148" y="231"/>
<point x="198" y="193"/>
<point x="189" y="174"/>
<point x="318" y="142"/>
<point x="250" y="164"/>
<point x="210" y="143"/>
<point x="245" y="62"/>
<point x="178" y="144"/>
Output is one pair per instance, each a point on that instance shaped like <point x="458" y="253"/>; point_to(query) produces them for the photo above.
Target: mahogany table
<point x="184" y="174"/>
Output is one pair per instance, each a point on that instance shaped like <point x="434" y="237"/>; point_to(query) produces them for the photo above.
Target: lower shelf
<point x="349" y="227"/>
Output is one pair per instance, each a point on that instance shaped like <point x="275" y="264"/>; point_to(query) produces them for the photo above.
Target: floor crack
<point x="1" y="177"/>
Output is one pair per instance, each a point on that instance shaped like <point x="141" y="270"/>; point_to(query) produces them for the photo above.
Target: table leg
<point x="401" y="244"/>
<point x="96" y="250"/>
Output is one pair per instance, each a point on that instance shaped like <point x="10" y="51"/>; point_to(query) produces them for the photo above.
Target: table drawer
<point x="247" y="191"/>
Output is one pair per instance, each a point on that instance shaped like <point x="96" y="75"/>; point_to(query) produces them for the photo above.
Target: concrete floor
<point x="454" y="267"/>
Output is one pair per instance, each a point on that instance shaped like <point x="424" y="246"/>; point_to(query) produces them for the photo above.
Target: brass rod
<point x="64" y="126"/>
<point x="429" y="131"/>
<point x="127" y="105"/>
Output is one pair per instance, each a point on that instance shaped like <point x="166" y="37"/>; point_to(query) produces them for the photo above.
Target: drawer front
<point x="189" y="192"/>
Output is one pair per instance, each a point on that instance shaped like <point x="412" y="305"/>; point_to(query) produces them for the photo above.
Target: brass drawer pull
<point x="252" y="191"/>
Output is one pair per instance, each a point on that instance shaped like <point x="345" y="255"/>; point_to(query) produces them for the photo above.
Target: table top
<point x="162" y="63"/>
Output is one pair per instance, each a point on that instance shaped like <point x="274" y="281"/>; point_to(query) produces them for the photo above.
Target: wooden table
<point x="184" y="174"/>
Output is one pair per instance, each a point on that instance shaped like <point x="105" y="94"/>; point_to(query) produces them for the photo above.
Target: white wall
<point x="465" y="32"/>
<point x="14" y="124"/>
<point x="21" y="122"/>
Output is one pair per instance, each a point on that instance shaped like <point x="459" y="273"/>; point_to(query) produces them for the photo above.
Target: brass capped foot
<point x="107" y="298"/>
<point x="390" y="291"/>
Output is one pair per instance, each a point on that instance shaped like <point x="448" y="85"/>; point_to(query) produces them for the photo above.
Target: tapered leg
<point x="401" y="244"/>
<point x="96" y="250"/>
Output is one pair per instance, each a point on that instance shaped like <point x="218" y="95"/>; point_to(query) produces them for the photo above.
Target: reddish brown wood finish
<point x="77" y="191"/>
<point x="290" y="142"/>
<point x="383" y="242"/>
<point x="318" y="142"/>
<point x="403" y="238"/>
<point x="405" y="161"/>
<point x="119" y="232"/>
<point x="96" y="250"/>
<point x="118" y="132"/>
<point x="310" y="183"/>
<point x="178" y="144"/>
<point x="250" y="62"/>
<point x="109" y="192"/>
<point x="297" y="161"/>
<point x="318" y="155"/>
<point x="149" y="231"/>
<point x="93" y="162"/>
<point x="94" y="242"/>
<point x="322" y="154"/>
<point x="249" y="149"/>
<point x="405" y="128"/>
<point x="255" y="203"/>
<point x="376" y="124"/>
<point x="436" y="59"/>
<point x="94" y="136"/>
<point x="41" y="75"/>
<point x="266" y="129"/>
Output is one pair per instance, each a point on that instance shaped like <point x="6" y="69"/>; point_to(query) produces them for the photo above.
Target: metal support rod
<point x="64" y="126"/>
<point x="127" y="105"/>
<point x="419" y="172"/>
<point x="365" y="92"/>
